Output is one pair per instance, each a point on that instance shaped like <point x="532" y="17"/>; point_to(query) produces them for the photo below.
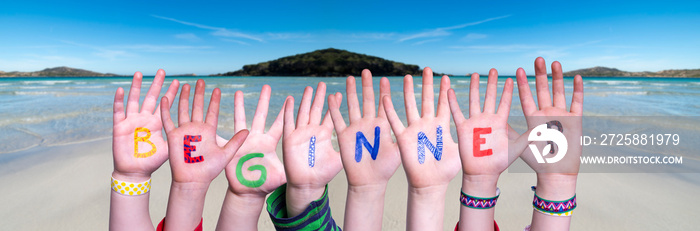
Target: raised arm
<point x="195" y="157"/>
<point x="138" y="149"/>
<point x="556" y="173"/>
<point x="370" y="156"/>
<point x="484" y="147"/>
<point x="429" y="166"/>
<point x="255" y="170"/>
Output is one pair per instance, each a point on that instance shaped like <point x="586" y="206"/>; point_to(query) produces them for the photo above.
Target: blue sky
<point x="460" y="37"/>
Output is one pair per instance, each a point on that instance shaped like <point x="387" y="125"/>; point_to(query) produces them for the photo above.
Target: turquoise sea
<point x="58" y="111"/>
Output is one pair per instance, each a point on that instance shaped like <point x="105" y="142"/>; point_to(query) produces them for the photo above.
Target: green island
<point x="327" y="62"/>
<point x="56" y="72"/>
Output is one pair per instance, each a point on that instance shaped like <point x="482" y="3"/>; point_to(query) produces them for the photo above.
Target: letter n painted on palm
<point x="423" y="143"/>
<point x="361" y="140"/>
<point x="478" y="141"/>
<point x="189" y="148"/>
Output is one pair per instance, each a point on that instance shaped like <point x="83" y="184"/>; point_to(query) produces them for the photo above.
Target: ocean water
<point x="58" y="111"/>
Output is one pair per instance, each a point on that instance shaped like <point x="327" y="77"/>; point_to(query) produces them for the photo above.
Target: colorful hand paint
<point x="191" y="148"/>
<point x="557" y="124"/>
<point x="138" y="139"/>
<point x="312" y="151"/>
<point x="239" y="171"/>
<point x="361" y="140"/>
<point x="424" y="142"/>
<point x="478" y="141"/>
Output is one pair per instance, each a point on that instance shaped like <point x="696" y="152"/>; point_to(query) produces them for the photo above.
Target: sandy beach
<point x="69" y="190"/>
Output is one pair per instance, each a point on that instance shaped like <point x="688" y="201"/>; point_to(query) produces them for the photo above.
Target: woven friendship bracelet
<point x="479" y="202"/>
<point x="554" y="208"/>
<point x="129" y="188"/>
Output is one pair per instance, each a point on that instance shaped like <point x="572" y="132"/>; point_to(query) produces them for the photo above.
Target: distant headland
<point x="614" y="72"/>
<point x="56" y="72"/>
<point x="327" y="62"/>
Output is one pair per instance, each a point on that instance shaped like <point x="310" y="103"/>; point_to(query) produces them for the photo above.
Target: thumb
<point x="236" y="141"/>
<point x="517" y="146"/>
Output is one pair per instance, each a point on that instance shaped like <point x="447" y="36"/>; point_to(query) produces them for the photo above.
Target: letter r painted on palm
<point x="361" y="140"/>
<point x="423" y="143"/>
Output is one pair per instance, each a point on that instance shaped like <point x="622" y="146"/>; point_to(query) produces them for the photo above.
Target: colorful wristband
<point x="554" y="208"/>
<point x="479" y="202"/>
<point x="131" y="189"/>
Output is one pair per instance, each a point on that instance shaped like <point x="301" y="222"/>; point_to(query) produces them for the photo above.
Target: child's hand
<point x="365" y="166"/>
<point x="138" y="146"/>
<point x="428" y="153"/>
<point x="309" y="158"/>
<point x="483" y="138"/>
<point x="255" y="169"/>
<point x="194" y="155"/>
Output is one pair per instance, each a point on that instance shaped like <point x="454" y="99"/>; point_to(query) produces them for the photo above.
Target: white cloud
<point x="426" y="41"/>
<point x="218" y="31"/>
<point x="188" y="36"/>
<point x="445" y="31"/>
<point x="474" y="36"/>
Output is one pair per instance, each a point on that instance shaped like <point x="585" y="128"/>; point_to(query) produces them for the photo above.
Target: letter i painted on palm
<point x="478" y="141"/>
<point x="423" y="143"/>
<point x="312" y="151"/>
<point x="144" y="139"/>
<point x="361" y="140"/>
<point x="188" y="148"/>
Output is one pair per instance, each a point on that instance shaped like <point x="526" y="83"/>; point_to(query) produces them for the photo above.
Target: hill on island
<point x="608" y="72"/>
<point x="55" y="72"/>
<point x="326" y="62"/>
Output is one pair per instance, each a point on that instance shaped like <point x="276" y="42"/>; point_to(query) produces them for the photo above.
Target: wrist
<point x="130" y="177"/>
<point x="298" y="198"/>
<point x="480" y="185"/>
<point x="367" y="189"/>
<point x="556" y="186"/>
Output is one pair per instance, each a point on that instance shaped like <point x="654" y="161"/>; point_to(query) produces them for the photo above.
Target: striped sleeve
<point x="317" y="215"/>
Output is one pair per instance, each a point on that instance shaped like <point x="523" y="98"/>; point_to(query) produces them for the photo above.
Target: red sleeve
<point x="161" y="225"/>
<point x="495" y="226"/>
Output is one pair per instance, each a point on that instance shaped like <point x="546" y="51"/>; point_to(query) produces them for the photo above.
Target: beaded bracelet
<point x="479" y="202"/>
<point x="554" y="208"/>
<point x="129" y="188"/>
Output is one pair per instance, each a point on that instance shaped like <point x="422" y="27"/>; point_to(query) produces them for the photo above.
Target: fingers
<point x="517" y="147"/>
<point x="443" y="108"/>
<point x="409" y="99"/>
<point x="149" y="103"/>
<point x="213" y="109"/>
<point x="132" y="103"/>
<point x="526" y="100"/>
<point x="491" y="92"/>
<point x="304" y="107"/>
<point x="276" y="127"/>
<point x="171" y="93"/>
<point x="512" y="133"/>
<point x="353" y="103"/>
<point x="260" y="116"/>
<point x="474" y="100"/>
<point x="428" y="95"/>
<point x="165" y="114"/>
<point x="239" y="112"/>
<point x="506" y="99"/>
<point x="317" y="106"/>
<point x="233" y="144"/>
<point x="368" y="108"/>
<point x="198" y="102"/>
<point x="183" y="108"/>
<point x="577" y="99"/>
<point x="334" y="108"/>
<point x="454" y="107"/>
<point x="391" y="115"/>
<point x="327" y="120"/>
<point x="384" y="90"/>
<point x="541" y="84"/>
<point x="558" y="86"/>
<point x="118" y="106"/>
<point x="288" y="115"/>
